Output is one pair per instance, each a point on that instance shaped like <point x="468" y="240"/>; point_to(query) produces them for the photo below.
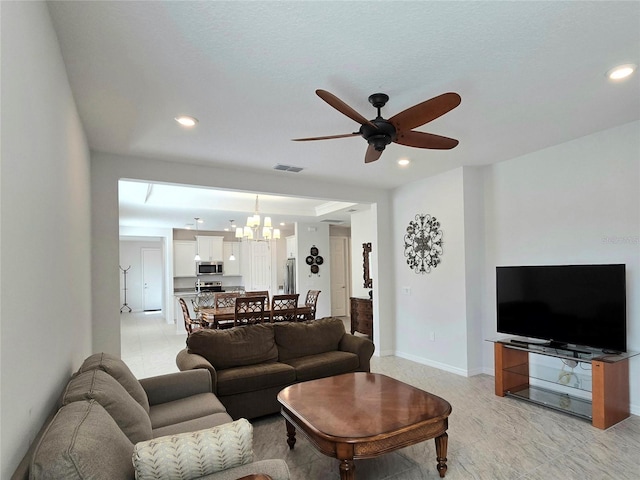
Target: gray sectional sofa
<point x="110" y="426"/>
<point x="249" y="365"/>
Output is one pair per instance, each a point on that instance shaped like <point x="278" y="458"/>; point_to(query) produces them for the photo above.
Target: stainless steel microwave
<point x="209" y="268"/>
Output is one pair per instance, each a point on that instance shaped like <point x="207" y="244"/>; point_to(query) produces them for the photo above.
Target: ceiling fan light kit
<point x="380" y="132"/>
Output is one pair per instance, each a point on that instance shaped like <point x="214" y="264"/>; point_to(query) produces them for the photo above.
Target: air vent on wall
<point x="287" y="168"/>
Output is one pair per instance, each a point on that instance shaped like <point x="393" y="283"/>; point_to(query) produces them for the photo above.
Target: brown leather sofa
<point x="249" y="365"/>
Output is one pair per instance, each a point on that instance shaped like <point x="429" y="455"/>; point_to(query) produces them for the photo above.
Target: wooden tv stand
<point x="609" y="402"/>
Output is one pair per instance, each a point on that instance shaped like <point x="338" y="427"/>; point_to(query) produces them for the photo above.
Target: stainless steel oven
<point x="209" y="268"/>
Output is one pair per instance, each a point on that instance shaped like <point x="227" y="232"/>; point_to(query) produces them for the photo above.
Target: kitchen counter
<point x="192" y="291"/>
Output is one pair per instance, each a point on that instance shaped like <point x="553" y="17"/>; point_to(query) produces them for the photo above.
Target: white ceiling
<point x="157" y="205"/>
<point x="530" y="74"/>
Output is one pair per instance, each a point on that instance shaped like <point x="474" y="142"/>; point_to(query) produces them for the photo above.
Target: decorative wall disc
<point x="314" y="260"/>
<point x="423" y="243"/>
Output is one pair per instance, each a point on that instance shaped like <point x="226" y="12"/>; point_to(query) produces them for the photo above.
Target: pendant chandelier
<point x="254" y="231"/>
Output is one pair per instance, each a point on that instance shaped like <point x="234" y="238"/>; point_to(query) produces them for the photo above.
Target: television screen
<point x="574" y="304"/>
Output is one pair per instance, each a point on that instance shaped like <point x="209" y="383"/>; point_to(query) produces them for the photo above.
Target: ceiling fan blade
<point x="342" y="107"/>
<point x="425" y="140"/>
<point x="328" y="137"/>
<point x="425" y="112"/>
<point x="372" y="155"/>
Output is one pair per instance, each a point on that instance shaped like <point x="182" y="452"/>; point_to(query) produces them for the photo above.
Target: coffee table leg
<point x="347" y="469"/>
<point x="291" y="434"/>
<point x="441" y="453"/>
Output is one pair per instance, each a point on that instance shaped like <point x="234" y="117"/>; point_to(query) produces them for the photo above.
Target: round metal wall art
<point x="423" y="243"/>
<point x="314" y="260"/>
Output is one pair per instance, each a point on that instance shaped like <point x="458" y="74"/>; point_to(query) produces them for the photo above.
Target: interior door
<point x="151" y="279"/>
<point x="260" y="266"/>
<point x="340" y="268"/>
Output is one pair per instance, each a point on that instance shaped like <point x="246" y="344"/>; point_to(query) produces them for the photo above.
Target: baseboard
<point x="430" y="363"/>
<point x="385" y="353"/>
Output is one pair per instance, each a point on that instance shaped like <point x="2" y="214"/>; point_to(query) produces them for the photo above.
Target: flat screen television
<point x="564" y="304"/>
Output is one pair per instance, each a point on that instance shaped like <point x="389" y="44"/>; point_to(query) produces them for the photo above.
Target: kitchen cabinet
<point x="292" y="246"/>
<point x="210" y="248"/>
<point x="184" y="252"/>
<point x="231" y="267"/>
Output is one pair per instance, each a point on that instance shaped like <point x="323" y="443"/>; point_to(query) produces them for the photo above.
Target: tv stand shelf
<point x="608" y="387"/>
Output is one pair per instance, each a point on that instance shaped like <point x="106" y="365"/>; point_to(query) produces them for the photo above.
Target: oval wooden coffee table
<point x="364" y="415"/>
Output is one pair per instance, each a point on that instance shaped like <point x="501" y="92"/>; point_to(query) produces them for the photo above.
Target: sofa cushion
<point x="323" y="365"/>
<point x="235" y="347"/>
<point x="82" y="442"/>
<point x="104" y="389"/>
<point x="254" y="377"/>
<point x="194" y="424"/>
<point x="187" y="456"/>
<point x="120" y="371"/>
<point x="307" y="338"/>
<point x="184" y="409"/>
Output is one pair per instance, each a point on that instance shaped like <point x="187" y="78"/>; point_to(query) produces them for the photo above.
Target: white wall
<point x="45" y="314"/>
<point x="474" y="248"/>
<point x="308" y="235"/>
<point x="578" y="202"/>
<point x="362" y="231"/>
<point x="164" y="239"/>
<point x="131" y="257"/>
<point x="436" y="304"/>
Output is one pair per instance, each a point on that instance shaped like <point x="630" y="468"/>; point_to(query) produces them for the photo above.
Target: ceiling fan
<point x="380" y="132"/>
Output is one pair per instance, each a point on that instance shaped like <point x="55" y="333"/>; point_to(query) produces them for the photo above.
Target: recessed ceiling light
<point x="282" y="224"/>
<point x="186" y="121"/>
<point x="200" y="220"/>
<point x="403" y="162"/>
<point x="621" y="71"/>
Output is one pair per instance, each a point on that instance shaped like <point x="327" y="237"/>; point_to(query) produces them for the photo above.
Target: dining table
<point x="221" y="317"/>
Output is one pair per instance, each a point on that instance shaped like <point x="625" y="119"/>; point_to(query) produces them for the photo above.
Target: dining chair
<point x="248" y="310"/>
<point x="260" y="293"/>
<point x="284" y="308"/>
<point x="310" y="301"/>
<point x="225" y="299"/>
<point x="190" y="324"/>
<point x="202" y="300"/>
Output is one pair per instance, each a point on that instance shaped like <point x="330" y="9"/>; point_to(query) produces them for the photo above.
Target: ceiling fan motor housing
<point x="379" y="136"/>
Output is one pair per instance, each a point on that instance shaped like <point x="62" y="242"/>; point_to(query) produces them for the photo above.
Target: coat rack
<point x="124" y="274"/>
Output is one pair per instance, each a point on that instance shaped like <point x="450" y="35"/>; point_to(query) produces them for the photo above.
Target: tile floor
<point x="490" y="438"/>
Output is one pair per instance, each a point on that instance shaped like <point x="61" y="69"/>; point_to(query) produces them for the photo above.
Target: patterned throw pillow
<point x="186" y="456"/>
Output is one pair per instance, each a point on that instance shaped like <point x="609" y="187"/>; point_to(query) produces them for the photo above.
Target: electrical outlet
<point x="406" y="290"/>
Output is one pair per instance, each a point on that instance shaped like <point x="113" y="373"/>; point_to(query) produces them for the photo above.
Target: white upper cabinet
<point x="231" y="267"/>
<point x="292" y="247"/>
<point x="184" y="252"/>
<point x="210" y="248"/>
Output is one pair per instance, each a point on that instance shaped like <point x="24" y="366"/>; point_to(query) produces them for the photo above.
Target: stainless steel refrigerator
<point x="290" y="276"/>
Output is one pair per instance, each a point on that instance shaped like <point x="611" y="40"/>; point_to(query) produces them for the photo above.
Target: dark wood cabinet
<point x="362" y="316"/>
